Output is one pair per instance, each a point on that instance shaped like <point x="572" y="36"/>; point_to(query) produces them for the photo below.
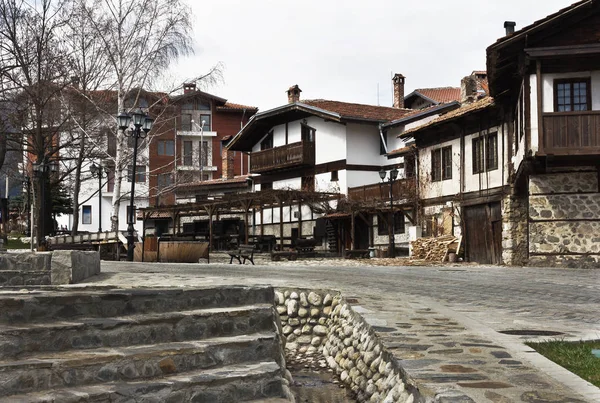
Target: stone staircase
<point x="140" y="345"/>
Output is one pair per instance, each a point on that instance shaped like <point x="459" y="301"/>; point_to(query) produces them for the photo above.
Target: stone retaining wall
<point x="46" y="268"/>
<point x="564" y="219"/>
<point x="323" y="322"/>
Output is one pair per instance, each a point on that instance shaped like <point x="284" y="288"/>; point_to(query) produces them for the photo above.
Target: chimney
<point x="398" y="90"/>
<point x="468" y="89"/>
<point x="293" y="94"/>
<point x="189" y="87"/>
<point x="510" y="27"/>
<point x="227" y="161"/>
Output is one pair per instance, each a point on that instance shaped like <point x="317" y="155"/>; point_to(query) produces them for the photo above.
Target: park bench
<point x="288" y="254"/>
<point x="357" y="254"/>
<point x="245" y="252"/>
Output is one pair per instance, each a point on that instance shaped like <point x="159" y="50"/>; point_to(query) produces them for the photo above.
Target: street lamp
<point x="40" y="170"/>
<point x="142" y="124"/>
<point x="98" y="172"/>
<point x="391" y="220"/>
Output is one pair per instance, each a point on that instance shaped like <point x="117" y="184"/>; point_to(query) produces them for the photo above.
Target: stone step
<point x="234" y="383"/>
<point x="87" y="367"/>
<point x="84" y="333"/>
<point x="12" y="278"/>
<point x="68" y="303"/>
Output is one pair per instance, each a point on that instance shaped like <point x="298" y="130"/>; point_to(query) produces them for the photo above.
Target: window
<point x="164" y="180"/>
<point x="207" y="123"/>
<point x="409" y="166"/>
<point x="140" y="173"/>
<point x="382" y="143"/>
<point x="572" y="95"/>
<point x="436" y="165"/>
<point x="334" y="176"/>
<point x="491" y="150"/>
<point x="308" y="133"/>
<point x="382" y="226"/>
<point x="267" y="143"/>
<point x="485" y="153"/>
<point x="186" y="122"/>
<point x="110" y="182"/>
<point x="447" y="163"/>
<point x="203" y="147"/>
<point x="166" y="147"/>
<point x="187" y="153"/>
<point x="86" y="214"/>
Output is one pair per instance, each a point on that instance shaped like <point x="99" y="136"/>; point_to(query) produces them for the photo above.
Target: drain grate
<point x="531" y="332"/>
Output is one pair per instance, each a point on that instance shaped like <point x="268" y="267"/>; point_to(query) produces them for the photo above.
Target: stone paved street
<point x="441" y="322"/>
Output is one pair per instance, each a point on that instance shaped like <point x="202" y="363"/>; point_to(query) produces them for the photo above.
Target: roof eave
<point x="436" y="109"/>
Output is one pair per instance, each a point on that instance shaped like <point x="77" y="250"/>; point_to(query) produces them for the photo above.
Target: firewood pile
<point x="435" y="249"/>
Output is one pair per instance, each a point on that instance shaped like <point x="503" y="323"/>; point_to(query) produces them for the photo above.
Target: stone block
<point x="70" y="266"/>
<point x="564" y="237"/>
<point x="572" y="182"/>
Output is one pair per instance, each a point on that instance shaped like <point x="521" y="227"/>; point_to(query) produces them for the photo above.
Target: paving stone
<point x="457" y="369"/>
<point x="547" y="397"/>
<point x="500" y="354"/>
<point x="485" y="385"/>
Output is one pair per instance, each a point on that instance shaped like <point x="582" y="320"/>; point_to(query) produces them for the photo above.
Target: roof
<point x="336" y="111"/>
<point x="439" y="95"/>
<point x="352" y="111"/>
<point x="402" y="151"/>
<point x="230" y="106"/>
<point x="462" y="111"/>
<point x="502" y="56"/>
<point x="418" y="114"/>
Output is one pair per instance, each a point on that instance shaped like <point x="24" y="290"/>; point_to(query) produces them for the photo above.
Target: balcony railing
<point x="289" y="156"/>
<point x="404" y="189"/>
<point x="570" y="133"/>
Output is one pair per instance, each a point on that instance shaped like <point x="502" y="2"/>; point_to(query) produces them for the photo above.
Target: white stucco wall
<point x="323" y="182"/>
<point x="363" y="145"/>
<point x="429" y="189"/>
<point x="486" y="179"/>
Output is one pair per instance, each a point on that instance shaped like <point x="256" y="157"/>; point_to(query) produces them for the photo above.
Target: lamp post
<point x="392" y="219"/>
<point x="142" y="124"/>
<point x="98" y="172"/>
<point x="40" y="170"/>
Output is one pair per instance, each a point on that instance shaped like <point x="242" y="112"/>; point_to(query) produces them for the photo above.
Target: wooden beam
<point x="352" y="229"/>
<point x="540" y="105"/>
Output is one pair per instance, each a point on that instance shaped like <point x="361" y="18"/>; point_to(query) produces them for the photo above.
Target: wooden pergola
<point x="241" y="204"/>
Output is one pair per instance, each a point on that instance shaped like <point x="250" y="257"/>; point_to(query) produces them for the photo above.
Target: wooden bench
<point x="357" y="254"/>
<point x="288" y="254"/>
<point x="245" y="252"/>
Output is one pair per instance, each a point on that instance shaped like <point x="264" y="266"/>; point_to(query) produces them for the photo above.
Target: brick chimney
<point x="468" y="89"/>
<point x="227" y="163"/>
<point x="293" y="94"/>
<point x="398" y="90"/>
<point x="189" y="87"/>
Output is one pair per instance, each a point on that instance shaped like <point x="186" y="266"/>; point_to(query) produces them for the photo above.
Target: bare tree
<point x="141" y="39"/>
<point x="33" y="74"/>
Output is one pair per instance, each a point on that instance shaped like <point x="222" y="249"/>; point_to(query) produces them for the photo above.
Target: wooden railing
<point x="288" y="156"/>
<point x="570" y="133"/>
<point x="404" y="189"/>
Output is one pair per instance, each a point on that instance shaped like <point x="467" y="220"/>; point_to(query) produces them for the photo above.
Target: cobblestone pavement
<point x="442" y="323"/>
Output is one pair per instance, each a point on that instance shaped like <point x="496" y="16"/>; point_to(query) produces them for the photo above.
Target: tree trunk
<point x="2" y="148"/>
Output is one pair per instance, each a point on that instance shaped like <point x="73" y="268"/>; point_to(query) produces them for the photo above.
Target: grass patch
<point x="575" y="356"/>
<point x="16" y="244"/>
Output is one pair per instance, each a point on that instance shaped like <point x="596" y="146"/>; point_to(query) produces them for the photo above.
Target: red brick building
<point x="188" y="143"/>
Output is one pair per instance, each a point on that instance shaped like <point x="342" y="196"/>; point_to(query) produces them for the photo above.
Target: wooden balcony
<point x="570" y="133"/>
<point x="404" y="189"/>
<point x="292" y="155"/>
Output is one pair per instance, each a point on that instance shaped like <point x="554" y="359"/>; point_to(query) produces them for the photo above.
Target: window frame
<point x="87" y="214"/>
<point x="307" y="133"/>
<point x="436" y="165"/>
<point x="334" y="176"/>
<point x="481" y="147"/>
<point x="140" y="173"/>
<point x="267" y="142"/>
<point x="491" y="165"/>
<point x="383" y="141"/>
<point x="478" y="154"/>
<point x="446" y="163"/>
<point x="571" y="81"/>
<point x="187" y="158"/>
<point x="163" y="150"/>
<point x="164" y="180"/>
<point x="399" y="224"/>
<point x="203" y="153"/>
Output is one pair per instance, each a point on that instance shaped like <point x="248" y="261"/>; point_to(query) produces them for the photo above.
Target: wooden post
<point x="540" y="106"/>
<point x="300" y="219"/>
<point x="352" y="229"/>
<point x="262" y="226"/>
<point x="281" y="224"/>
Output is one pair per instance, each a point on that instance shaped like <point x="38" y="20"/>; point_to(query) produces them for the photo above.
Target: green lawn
<point x="575" y="356"/>
<point x="16" y="244"/>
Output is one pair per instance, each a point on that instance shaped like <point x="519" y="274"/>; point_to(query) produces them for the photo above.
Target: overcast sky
<point x="343" y="49"/>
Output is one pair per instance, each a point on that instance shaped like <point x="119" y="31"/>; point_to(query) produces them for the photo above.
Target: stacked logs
<point x="435" y="249"/>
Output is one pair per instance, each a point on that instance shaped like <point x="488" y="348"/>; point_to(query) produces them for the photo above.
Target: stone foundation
<point x="322" y="322"/>
<point x="564" y="219"/>
<point x="514" y="230"/>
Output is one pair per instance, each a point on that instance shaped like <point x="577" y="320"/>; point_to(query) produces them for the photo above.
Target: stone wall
<point x="321" y="322"/>
<point x="564" y="219"/>
<point x="514" y="230"/>
<point x="45" y="268"/>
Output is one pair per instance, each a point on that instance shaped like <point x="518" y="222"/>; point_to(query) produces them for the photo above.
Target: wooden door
<point x="483" y="233"/>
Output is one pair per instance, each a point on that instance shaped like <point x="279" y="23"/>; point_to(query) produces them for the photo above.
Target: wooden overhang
<point x="507" y="60"/>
